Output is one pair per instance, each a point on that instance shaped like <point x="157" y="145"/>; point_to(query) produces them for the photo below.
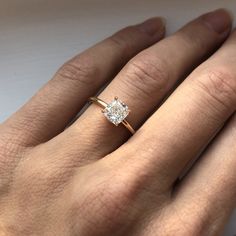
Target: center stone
<point x="116" y="111"/>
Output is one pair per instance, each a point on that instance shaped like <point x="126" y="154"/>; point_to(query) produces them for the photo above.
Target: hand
<point x="88" y="179"/>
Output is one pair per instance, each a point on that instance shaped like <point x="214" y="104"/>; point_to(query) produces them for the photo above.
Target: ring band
<point x="116" y="111"/>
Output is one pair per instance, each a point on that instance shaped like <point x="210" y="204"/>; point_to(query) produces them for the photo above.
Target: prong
<point x="129" y="110"/>
<point x="102" y="111"/>
<point x="116" y="98"/>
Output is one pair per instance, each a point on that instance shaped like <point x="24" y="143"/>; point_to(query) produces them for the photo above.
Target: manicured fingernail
<point x="219" y="20"/>
<point x="152" y="25"/>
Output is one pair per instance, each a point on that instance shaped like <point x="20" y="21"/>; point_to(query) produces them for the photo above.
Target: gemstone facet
<point x="116" y="111"/>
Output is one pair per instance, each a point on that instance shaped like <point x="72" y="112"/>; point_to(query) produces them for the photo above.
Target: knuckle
<point x="147" y="75"/>
<point x="220" y="85"/>
<point x="78" y="70"/>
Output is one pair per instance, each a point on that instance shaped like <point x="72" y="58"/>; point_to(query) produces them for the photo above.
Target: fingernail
<point x="219" y="20"/>
<point x="152" y="25"/>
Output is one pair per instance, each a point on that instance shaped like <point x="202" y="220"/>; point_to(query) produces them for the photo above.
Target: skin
<point x="91" y="178"/>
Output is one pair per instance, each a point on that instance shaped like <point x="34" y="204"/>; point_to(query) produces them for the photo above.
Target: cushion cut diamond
<point x="116" y="111"/>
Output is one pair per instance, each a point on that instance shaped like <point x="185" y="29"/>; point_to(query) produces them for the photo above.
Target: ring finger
<point x="144" y="82"/>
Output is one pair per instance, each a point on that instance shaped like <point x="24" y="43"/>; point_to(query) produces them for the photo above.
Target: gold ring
<point x="116" y="111"/>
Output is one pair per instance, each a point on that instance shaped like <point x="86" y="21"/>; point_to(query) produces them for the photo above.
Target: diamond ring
<point x="115" y="111"/>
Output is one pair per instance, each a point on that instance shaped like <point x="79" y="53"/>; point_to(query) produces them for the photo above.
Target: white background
<point x="36" y="37"/>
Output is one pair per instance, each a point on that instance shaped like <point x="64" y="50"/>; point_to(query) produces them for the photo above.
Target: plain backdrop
<point x="37" y="36"/>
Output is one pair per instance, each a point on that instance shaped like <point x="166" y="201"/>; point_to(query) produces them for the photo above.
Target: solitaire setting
<point x="116" y="111"/>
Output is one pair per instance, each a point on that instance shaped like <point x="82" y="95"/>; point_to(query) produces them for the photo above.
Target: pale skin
<point x="94" y="178"/>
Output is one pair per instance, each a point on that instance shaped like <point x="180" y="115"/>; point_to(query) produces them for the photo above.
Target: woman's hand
<point x="88" y="180"/>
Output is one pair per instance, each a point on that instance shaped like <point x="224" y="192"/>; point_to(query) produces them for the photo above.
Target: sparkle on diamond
<point x="116" y="111"/>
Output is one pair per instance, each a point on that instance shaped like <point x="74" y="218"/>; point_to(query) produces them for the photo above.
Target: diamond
<point x="116" y="111"/>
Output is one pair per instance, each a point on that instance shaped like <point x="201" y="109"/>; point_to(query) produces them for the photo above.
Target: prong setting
<point x="116" y="111"/>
